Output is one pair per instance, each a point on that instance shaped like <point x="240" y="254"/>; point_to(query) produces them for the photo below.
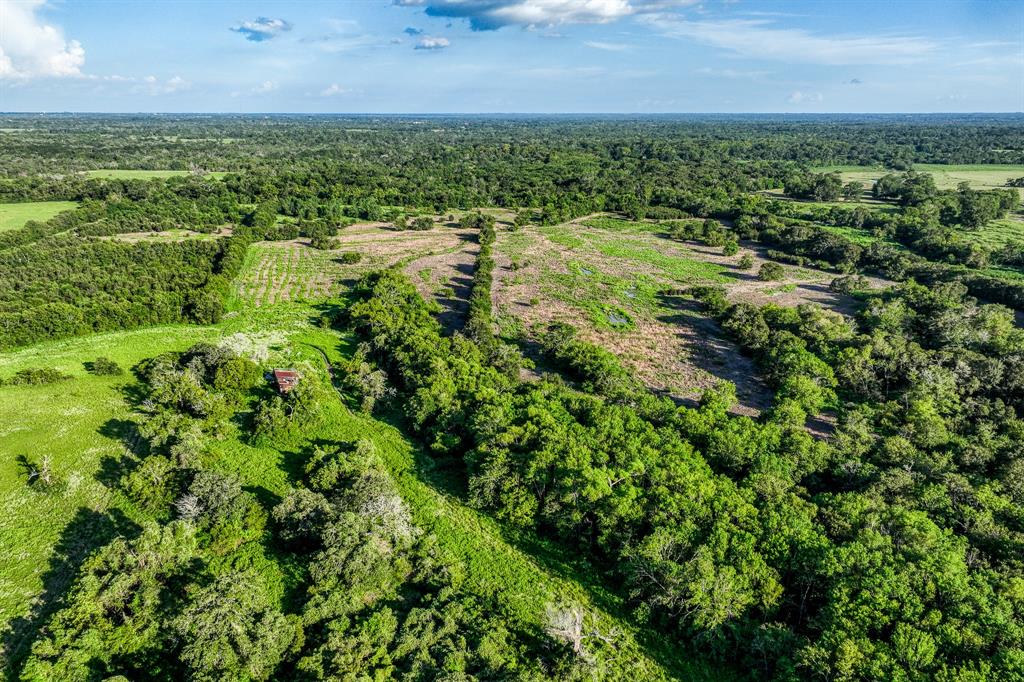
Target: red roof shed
<point x="286" y="379"/>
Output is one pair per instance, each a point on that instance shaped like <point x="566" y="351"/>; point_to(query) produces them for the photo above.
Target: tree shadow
<point x="114" y="467"/>
<point x="714" y="354"/>
<point x="87" y="531"/>
<point x="454" y="308"/>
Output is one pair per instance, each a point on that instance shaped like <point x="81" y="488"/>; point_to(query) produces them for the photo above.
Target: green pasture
<point x="14" y="216"/>
<point x="980" y="176"/>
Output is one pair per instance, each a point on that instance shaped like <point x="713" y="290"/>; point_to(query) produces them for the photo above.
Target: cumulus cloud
<point x="490" y="15"/>
<point x="334" y="89"/>
<point x="431" y="43"/>
<point x="31" y="48"/>
<point x="609" y="47"/>
<point x="261" y="89"/>
<point x="758" y="38"/>
<point x="261" y="29"/>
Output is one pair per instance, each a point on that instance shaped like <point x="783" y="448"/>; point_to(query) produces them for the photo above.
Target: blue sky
<point x="415" y="56"/>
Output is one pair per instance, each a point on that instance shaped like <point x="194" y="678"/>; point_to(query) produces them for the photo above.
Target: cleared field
<point x="128" y="174"/>
<point x="980" y="176"/>
<point x="169" y="236"/>
<point x="286" y="271"/>
<point x="440" y="261"/>
<point x="607" y="277"/>
<point x="14" y="216"/>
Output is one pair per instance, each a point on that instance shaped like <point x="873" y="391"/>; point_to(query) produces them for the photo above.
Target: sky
<point x="539" y="56"/>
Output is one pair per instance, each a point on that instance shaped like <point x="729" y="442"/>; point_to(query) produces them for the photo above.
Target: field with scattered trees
<point x="668" y="398"/>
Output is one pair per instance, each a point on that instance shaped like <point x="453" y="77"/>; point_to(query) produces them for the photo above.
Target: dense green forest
<point x="866" y="524"/>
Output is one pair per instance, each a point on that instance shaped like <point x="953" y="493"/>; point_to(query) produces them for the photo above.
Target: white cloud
<point x="261" y="89"/>
<point x="760" y="39"/>
<point x="798" y="97"/>
<point x="334" y="89"/>
<point x="431" y="43"/>
<point x="30" y="48"/>
<point x="262" y="28"/>
<point x="610" y="47"/>
<point x="489" y="15"/>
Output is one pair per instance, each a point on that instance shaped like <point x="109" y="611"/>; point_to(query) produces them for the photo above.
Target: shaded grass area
<point x="14" y="216"/>
<point x="82" y="425"/>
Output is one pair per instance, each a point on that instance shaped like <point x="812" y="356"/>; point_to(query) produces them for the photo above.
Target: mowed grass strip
<point x="14" y="216"/>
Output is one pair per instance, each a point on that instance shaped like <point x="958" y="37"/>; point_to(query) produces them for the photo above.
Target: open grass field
<point x="980" y="176"/>
<point x="287" y="271"/>
<point x="607" y="276"/>
<point x="43" y="536"/>
<point x="127" y="174"/>
<point x="14" y="216"/>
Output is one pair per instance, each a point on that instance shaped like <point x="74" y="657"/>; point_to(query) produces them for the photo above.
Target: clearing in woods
<point x="128" y="174"/>
<point x="440" y="261"/>
<point x="610" y="277"/>
<point x="14" y="216"/>
<point x="980" y="176"/>
<point x="993" y="235"/>
<point x="175" y="235"/>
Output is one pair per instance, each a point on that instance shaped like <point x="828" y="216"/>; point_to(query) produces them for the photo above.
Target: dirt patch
<point x="674" y="352"/>
<point x="800" y="284"/>
<point x="446" y="276"/>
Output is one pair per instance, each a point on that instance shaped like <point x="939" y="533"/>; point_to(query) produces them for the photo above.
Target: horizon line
<point x="516" y="113"/>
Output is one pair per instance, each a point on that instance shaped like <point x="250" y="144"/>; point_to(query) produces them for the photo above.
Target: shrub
<point x="746" y="262"/>
<point x="422" y="223"/>
<point x="771" y="272"/>
<point x="106" y="367"/>
<point x="731" y="248"/>
<point x="38" y="376"/>
<point x="350" y="257"/>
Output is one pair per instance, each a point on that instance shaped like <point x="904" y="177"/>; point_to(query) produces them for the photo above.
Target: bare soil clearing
<point x="610" y="283"/>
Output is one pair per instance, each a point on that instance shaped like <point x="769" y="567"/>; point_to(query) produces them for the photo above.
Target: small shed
<point x="285" y="380"/>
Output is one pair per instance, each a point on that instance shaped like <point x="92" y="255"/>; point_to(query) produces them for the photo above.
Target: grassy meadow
<point x="14" y="216"/>
<point x="980" y="176"/>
